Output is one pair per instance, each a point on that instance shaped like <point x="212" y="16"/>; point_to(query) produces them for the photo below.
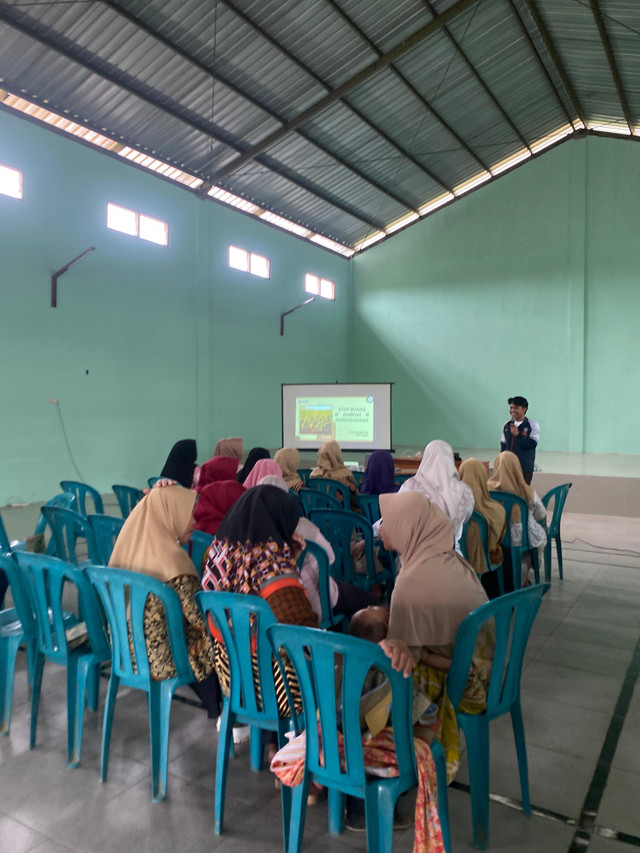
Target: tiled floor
<point x="577" y="660"/>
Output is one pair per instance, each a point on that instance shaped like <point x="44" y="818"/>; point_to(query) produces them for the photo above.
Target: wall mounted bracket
<point x="61" y="271"/>
<point x="291" y="310"/>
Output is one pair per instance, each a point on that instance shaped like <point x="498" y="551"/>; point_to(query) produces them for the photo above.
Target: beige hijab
<point x="436" y="588"/>
<point x="288" y="459"/>
<point x="148" y="541"/>
<point x="507" y="477"/>
<point x="473" y="473"/>
<point x="229" y="447"/>
<point x="330" y="463"/>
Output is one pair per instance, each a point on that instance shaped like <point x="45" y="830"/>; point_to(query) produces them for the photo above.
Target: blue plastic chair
<point x="152" y="481"/>
<point x="243" y="621"/>
<point x="509" y="501"/>
<point x="199" y="545"/>
<point x="337" y="490"/>
<point x="358" y="476"/>
<point x="559" y="496"/>
<point x="105" y="529"/>
<point x="82" y="492"/>
<point x="67" y="527"/>
<point x="314" y="654"/>
<point x="513" y="615"/>
<point x="127" y="497"/>
<point x="5" y="547"/>
<point x="303" y="473"/>
<point x="339" y="526"/>
<point x="370" y="507"/>
<point x="483" y="528"/>
<point x="45" y="578"/>
<point x="66" y="500"/>
<point x="329" y="619"/>
<point x="399" y="479"/>
<point x="123" y="592"/>
<point x="315" y="499"/>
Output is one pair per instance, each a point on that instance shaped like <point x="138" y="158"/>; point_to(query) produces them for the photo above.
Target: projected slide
<point x="345" y="419"/>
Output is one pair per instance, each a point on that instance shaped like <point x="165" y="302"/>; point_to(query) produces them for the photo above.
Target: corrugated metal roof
<point x="343" y="116"/>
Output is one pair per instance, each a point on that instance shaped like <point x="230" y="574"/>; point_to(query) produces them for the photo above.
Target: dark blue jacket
<point x="522" y="444"/>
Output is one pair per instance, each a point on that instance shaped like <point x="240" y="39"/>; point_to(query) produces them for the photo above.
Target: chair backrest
<point x="513" y="616"/>
<point x="399" y="479"/>
<point x="105" y="529"/>
<point x="242" y="621"/>
<point x="559" y="495"/>
<point x="127" y="497"/>
<point x="152" y="481"/>
<point x="332" y="487"/>
<point x="314" y="655"/>
<point x="20" y="594"/>
<point x="67" y="527"/>
<point x="199" y="544"/>
<point x="370" y="506"/>
<point x="339" y="526"/>
<point x="4" y="539"/>
<point x="66" y="500"/>
<point x="329" y="619"/>
<point x="483" y="529"/>
<point x="124" y="594"/>
<point x="81" y="492"/>
<point x="45" y="578"/>
<point x="303" y="473"/>
<point x="509" y="501"/>
<point x="358" y="476"/>
<point x="315" y="499"/>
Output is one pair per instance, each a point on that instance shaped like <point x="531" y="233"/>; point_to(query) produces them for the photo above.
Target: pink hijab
<point x="262" y="468"/>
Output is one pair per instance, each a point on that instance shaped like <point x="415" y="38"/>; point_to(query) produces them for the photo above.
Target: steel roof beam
<point x="197" y="124"/>
<point x="358" y="79"/>
<point x="608" y="49"/>
<point x="555" y="58"/>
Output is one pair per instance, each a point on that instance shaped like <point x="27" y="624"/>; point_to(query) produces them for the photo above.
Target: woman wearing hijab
<point x="288" y="458"/>
<point x="181" y="463"/>
<point x="214" y="502"/>
<point x="379" y="474"/>
<point x="331" y="466"/>
<point x="254" y="455"/>
<point x="255" y="553"/>
<point x="437" y="479"/>
<point x="230" y="447"/>
<point x="508" y="477"/>
<point x="435" y="590"/>
<point x="216" y="469"/>
<point x="473" y="473"/>
<point x="150" y="542"/>
<point x="262" y="468"/>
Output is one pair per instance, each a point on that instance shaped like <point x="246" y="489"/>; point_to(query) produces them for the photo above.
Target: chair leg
<point x="443" y="792"/>
<point x="379" y="808"/>
<point x="559" y="550"/>
<point x="521" y="752"/>
<point x="256" y="749"/>
<point x="77" y="673"/>
<point x="500" y="573"/>
<point x="8" y="652"/>
<point x="476" y="734"/>
<point x="35" y="697"/>
<point x="535" y="562"/>
<point x="225" y="739"/>
<point x="109" y="706"/>
<point x="336" y="811"/>
<point x="299" y="796"/>
<point x="93" y="686"/>
<point x="159" y="715"/>
<point x="516" y="567"/>
<point x="547" y="561"/>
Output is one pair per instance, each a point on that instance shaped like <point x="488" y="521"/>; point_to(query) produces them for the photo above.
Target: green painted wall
<point x="176" y="344"/>
<point x="527" y="286"/>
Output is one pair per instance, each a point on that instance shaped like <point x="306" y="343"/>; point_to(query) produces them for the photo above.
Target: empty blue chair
<point x="45" y="578"/>
<point x="199" y="545"/>
<point x="314" y="655"/>
<point x="127" y="497"/>
<point x="559" y="496"/>
<point x="105" y="529"/>
<point x="242" y="621"/>
<point x="513" y="614"/>
<point x="339" y="527"/>
<point x="509" y="501"/>
<point x="66" y="500"/>
<point x="329" y="618"/>
<point x="483" y="529"/>
<point x="315" y="499"/>
<point x="123" y="592"/>
<point x="81" y="492"/>
<point x="67" y="527"/>
<point x="337" y="490"/>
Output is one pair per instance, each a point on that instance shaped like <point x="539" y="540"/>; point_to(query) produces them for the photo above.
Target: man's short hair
<point x="518" y="401"/>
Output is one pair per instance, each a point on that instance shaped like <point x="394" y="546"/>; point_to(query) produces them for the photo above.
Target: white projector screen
<point x="357" y="416"/>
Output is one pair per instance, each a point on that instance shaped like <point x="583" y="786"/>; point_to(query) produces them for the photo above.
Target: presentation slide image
<point x="345" y="419"/>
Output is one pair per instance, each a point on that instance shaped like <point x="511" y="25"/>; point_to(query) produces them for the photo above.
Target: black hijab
<point x="262" y="513"/>
<point x="181" y="462"/>
<point x="255" y="454"/>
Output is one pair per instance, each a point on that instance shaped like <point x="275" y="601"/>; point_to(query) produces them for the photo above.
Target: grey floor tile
<point x="570" y="686"/>
<point x="18" y="838"/>
<point x="609" y="635"/>
<point x="586" y="656"/>
<point x="598" y="844"/>
<point x="619" y="806"/>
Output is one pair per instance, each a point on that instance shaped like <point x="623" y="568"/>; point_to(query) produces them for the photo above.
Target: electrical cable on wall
<point x="56" y="403"/>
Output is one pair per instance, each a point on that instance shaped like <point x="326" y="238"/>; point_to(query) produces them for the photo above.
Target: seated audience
<point x="253" y="456"/>
<point x="262" y="468"/>
<point x="150" y="542"/>
<point x="331" y="466"/>
<point x="217" y="469"/>
<point x="437" y="479"/>
<point x="379" y="474"/>
<point x="433" y="593"/>
<point x="474" y="474"/>
<point x="230" y="447"/>
<point x="214" y="502"/>
<point x="181" y="464"/>
<point x="288" y="458"/>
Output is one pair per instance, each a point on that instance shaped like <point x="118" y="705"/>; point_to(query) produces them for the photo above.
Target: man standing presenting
<point x="521" y="436"/>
